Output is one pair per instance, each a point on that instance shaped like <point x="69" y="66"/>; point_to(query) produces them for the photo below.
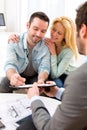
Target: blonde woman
<point x="63" y="49"/>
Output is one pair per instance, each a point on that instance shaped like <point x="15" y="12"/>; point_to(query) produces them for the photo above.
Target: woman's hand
<point x="51" y="45"/>
<point x="13" y="38"/>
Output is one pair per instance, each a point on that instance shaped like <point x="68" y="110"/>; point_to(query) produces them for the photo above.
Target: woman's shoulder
<point x="67" y="49"/>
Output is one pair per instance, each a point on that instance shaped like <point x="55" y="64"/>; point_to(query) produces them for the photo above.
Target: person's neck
<point x="58" y="47"/>
<point x="30" y="44"/>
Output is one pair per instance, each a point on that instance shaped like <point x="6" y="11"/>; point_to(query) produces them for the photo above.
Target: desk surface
<point x="50" y="103"/>
<point x="16" y="99"/>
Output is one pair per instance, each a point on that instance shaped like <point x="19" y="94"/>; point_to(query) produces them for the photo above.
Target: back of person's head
<point x="81" y="17"/>
<point x="69" y="40"/>
<point x="40" y="15"/>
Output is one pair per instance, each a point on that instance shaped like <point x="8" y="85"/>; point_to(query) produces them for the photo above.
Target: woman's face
<point x="57" y="33"/>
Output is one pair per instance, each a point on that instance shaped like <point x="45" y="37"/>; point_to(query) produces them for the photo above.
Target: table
<point x="16" y="105"/>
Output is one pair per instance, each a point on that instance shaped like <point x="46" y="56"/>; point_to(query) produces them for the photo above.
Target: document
<point x="14" y="110"/>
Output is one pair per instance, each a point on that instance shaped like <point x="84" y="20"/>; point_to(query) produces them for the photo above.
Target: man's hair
<point x="81" y="17"/>
<point x="40" y="15"/>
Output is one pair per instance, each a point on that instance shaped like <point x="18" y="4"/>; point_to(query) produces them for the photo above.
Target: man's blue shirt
<point x="17" y="56"/>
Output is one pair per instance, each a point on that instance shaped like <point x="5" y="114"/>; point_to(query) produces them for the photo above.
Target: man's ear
<point x="28" y="25"/>
<point x="83" y="31"/>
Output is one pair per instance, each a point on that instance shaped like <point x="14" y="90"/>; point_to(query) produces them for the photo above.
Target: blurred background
<point x="17" y="12"/>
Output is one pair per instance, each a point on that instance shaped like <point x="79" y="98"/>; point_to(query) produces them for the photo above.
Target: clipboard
<point x="26" y="86"/>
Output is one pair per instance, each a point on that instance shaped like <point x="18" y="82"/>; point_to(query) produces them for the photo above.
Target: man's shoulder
<point x="41" y="44"/>
<point x="22" y="36"/>
<point x="22" y="40"/>
<point x="79" y="74"/>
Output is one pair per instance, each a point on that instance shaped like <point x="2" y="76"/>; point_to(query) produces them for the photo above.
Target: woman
<point x="63" y="49"/>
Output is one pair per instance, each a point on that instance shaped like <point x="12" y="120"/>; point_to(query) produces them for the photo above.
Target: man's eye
<point x="43" y="31"/>
<point x="35" y="29"/>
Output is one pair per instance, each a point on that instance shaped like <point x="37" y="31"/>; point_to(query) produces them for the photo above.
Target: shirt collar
<point x="25" y="41"/>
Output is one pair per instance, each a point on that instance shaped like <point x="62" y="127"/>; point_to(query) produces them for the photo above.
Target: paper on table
<point x="17" y="108"/>
<point x="14" y="110"/>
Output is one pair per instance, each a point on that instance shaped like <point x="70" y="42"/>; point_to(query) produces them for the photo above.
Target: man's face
<point x="37" y="30"/>
<point x="81" y="39"/>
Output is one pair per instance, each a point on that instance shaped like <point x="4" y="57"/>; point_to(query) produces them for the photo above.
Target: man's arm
<point x="42" y="77"/>
<point x="70" y="112"/>
<point x="10" y="72"/>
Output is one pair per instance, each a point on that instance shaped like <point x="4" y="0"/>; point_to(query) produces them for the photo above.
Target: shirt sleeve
<point x="60" y="93"/>
<point x="60" y="63"/>
<point x="34" y="98"/>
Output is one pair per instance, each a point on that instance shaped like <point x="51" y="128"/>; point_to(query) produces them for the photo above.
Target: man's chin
<point x="36" y="40"/>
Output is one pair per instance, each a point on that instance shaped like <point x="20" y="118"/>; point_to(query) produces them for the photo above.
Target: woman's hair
<point x="69" y="40"/>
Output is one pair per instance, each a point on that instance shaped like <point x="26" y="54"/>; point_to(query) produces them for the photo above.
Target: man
<point x="29" y="60"/>
<point x="71" y="114"/>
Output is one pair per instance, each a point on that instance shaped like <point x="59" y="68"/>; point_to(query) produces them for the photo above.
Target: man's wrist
<point x="34" y="98"/>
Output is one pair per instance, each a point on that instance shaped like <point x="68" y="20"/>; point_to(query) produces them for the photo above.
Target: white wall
<point x="17" y="12"/>
<point x="53" y="8"/>
<point x="2" y="6"/>
<point x="71" y="6"/>
<point x="12" y="12"/>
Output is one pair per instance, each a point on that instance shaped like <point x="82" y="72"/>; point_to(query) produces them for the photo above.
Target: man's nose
<point x="39" y="33"/>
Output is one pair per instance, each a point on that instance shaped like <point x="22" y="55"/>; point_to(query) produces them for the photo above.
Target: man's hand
<point x="13" y="38"/>
<point x="52" y="90"/>
<point x="42" y="77"/>
<point x="17" y="80"/>
<point x="40" y="81"/>
<point x="34" y="91"/>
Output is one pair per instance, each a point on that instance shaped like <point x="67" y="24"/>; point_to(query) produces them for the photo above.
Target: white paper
<point x="15" y="107"/>
<point x="14" y="110"/>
